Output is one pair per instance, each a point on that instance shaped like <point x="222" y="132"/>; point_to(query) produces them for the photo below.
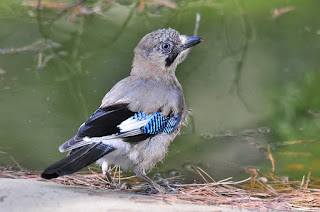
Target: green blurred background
<point x="253" y="82"/>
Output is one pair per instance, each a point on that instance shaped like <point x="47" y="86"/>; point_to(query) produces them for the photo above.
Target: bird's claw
<point x="112" y="185"/>
<point x="173" y="191"/>
<point x="125" y="186"/>
<point x="168" y="190"/>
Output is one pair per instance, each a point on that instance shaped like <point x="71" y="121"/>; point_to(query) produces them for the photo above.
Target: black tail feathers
<point x="77" y="160"/>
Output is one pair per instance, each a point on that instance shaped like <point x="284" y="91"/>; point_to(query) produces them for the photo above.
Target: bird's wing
<point x="81" y="158"/>
<point x="117" y="121"/>
<point x="113" y="122"/>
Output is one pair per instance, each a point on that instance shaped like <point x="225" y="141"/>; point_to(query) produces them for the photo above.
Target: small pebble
<point x="263" y="179"/>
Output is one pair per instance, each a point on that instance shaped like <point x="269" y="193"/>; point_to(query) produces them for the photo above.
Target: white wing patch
<point x="135" y="122"/>
<point x="129" y="127"/>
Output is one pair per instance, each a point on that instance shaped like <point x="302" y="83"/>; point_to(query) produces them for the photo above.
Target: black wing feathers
<point x="105" y="121"/>
<point x="78" y="160"/>
<point x="137" y="138"/>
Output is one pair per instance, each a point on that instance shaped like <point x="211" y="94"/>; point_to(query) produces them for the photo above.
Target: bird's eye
<point x="165" y="46"/>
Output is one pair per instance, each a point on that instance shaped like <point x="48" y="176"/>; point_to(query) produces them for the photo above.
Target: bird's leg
<point x="141" y="175"/>
<point x="105" y="171"/>
<point x="108" y="177"/>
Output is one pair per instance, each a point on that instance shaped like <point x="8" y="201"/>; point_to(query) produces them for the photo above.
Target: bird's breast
<point x="148" y="96"/>
<point x="143" y="155"/>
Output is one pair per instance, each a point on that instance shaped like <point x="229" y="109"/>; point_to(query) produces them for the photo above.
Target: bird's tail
<point x="77" y="160"/>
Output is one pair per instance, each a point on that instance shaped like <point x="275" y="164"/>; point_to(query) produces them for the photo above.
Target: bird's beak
<point x="190" y="42"/>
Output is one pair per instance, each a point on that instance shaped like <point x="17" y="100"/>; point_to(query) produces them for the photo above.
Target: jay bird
<point x="139" y="117"/>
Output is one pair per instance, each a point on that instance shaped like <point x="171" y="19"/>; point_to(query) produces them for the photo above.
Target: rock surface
<point x="31" y="195"/>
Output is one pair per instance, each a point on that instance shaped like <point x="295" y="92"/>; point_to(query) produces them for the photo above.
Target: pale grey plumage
<point x="119" y="136"/>
<point x="151" y="79"/>
<point x="165" y="95"/>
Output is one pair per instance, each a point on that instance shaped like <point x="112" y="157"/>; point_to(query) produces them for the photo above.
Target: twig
<point x="97" y="175"/>
<point x="16" y="162"/>
<point x="220" y="181"/>
<point x="296" y="142"/>
<point x="196" y="28"/>
<point x="3" y="152"/>
<point x="308" y="180"/>
<point x="253" y="178"/>
<point x="38" y="45"/>
<point x="38" y="5"/>
<point x="271" y="158"/>
<point x="124" y="25"/>
<point x="242" y="57"/>
<point x="115" y="172"/>
<point x="213" y="184"/>
<point x="119" y="174"/>
<point x="167" y="3"/>
<point x="302" y="181"/>
<point x="276" y="13"/>
<point x="39" y="60"/>
<point x="125" y="178"/>
<point x="202" y="176"/>
<point x="206" y="174"/>
<point x="268" y="187"/>
<point x="142" y="5"/>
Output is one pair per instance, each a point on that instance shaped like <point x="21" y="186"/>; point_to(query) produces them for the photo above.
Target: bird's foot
<point x="166" y="189"/>
<point x="157" y="189"/>
<point x="171" y="190"/>
<point x="125" y="186"/>
<point x="165" y="184"/>
<point x="161" y="190"/>
<point x="112" y="185"/>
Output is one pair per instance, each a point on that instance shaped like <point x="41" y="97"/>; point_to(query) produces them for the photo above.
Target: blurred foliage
<point x="296" y="108"/>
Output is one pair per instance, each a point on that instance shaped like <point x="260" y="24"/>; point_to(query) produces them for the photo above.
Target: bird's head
<point x="161" y="51"/>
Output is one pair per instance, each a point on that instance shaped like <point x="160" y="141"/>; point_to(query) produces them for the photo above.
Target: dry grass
<point x="259" y="191"/>
<point x="258" y="194"/>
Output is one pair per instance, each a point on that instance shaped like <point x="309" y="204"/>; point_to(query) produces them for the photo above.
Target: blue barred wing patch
<point x="172" y="124"/>
<point x="140" y="116"/>
<point x="156" y="124"/>
<point x="159" y="124"/>
<point x="150" y="123"/>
